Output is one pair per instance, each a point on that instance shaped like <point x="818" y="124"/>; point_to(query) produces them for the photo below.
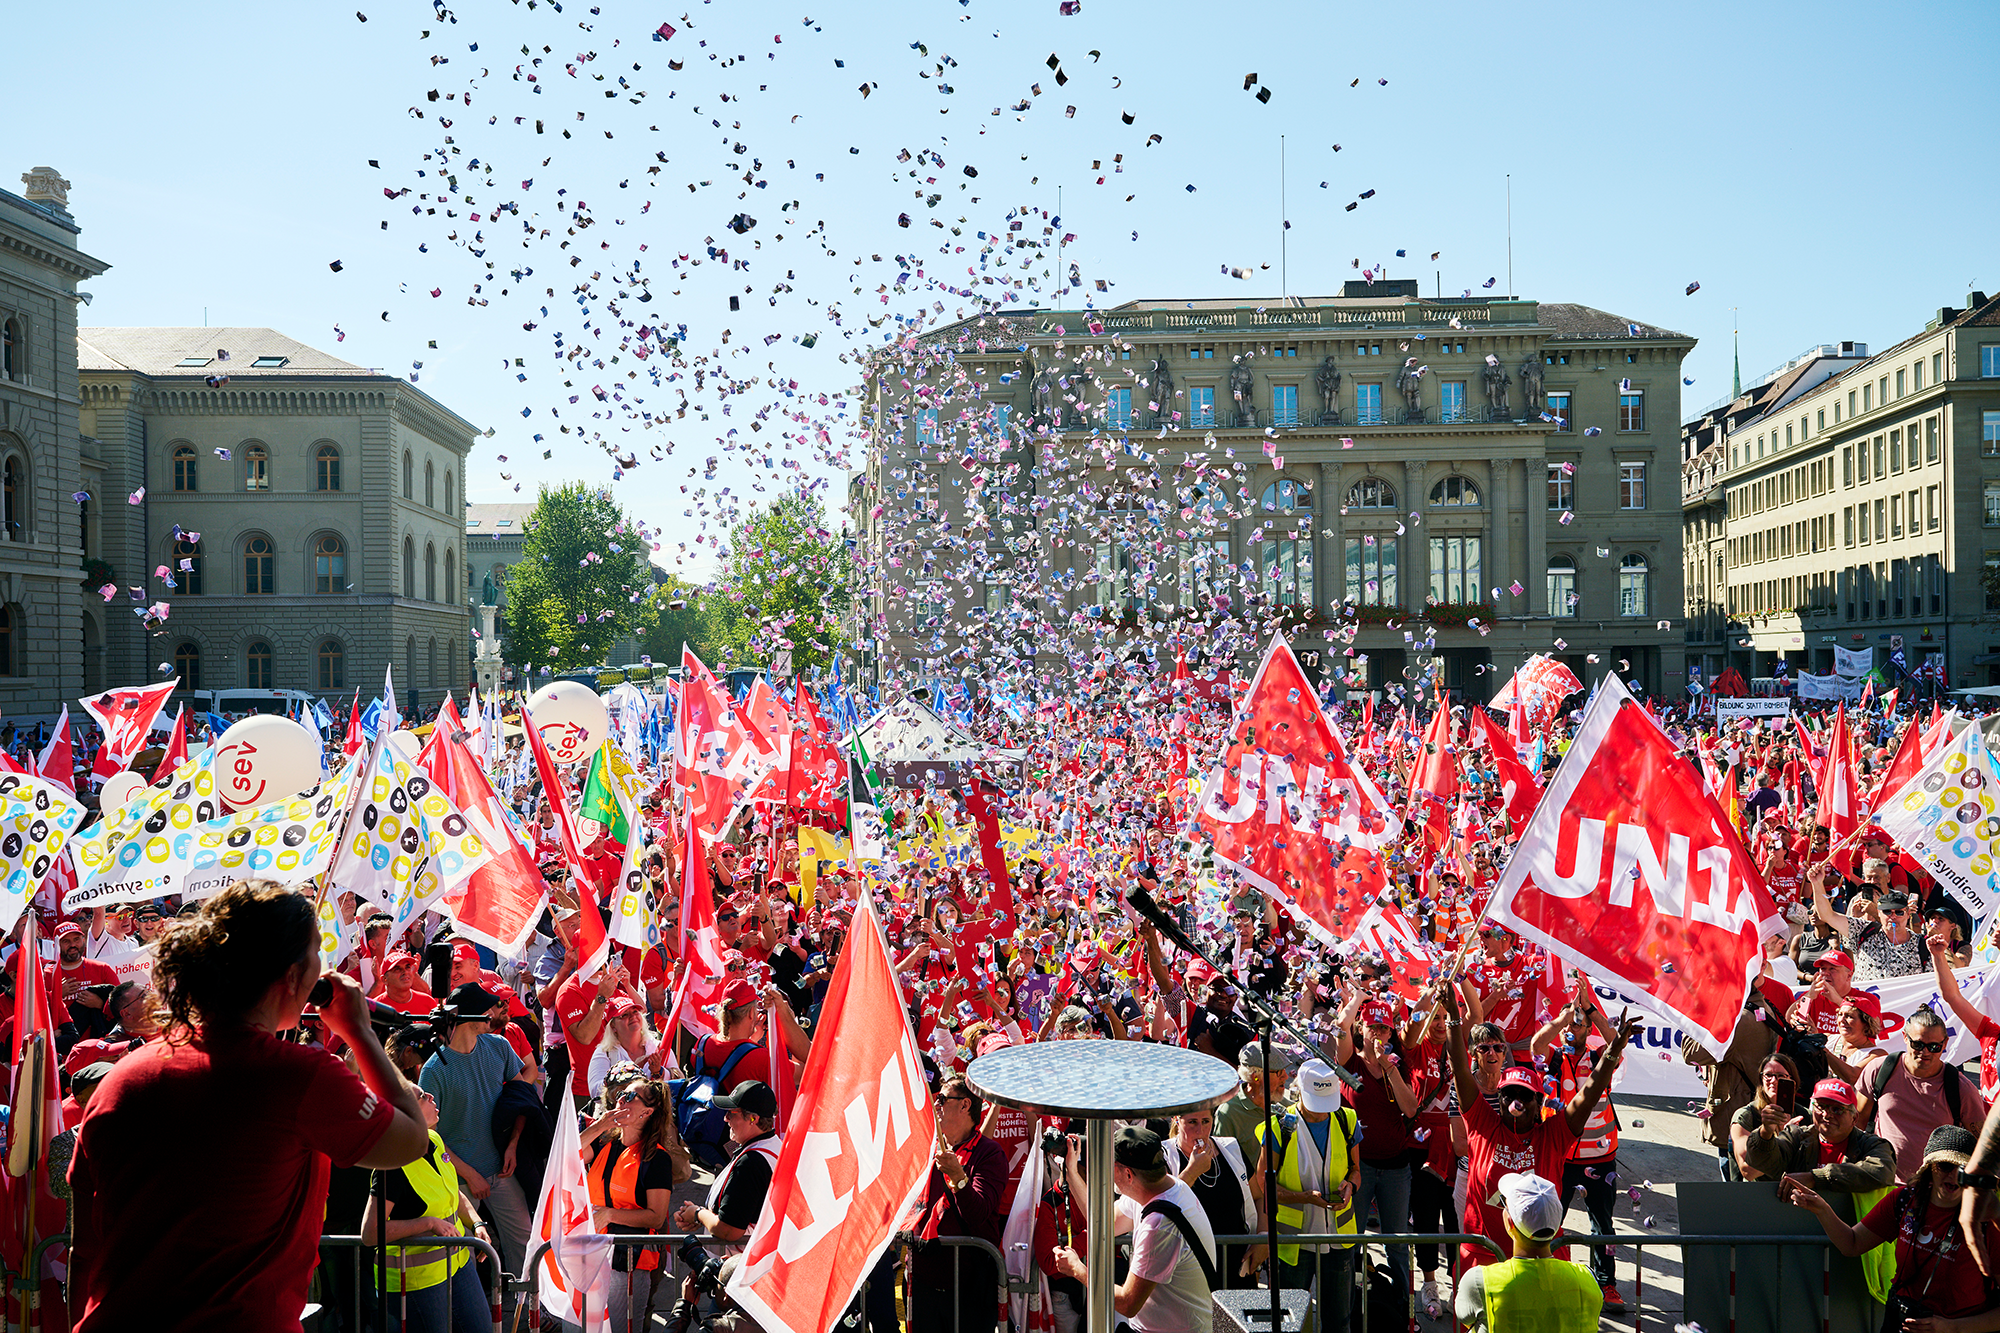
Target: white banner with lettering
<point x="1853" y="661"/>
<point x="1829" y="687"/>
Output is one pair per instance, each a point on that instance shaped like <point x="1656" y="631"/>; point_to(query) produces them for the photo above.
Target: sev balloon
<point x="264" y="759"/>
<point x="571" y="718"/>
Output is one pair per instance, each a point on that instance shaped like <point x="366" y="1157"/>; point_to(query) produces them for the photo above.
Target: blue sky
<point x="1794" y="165"/>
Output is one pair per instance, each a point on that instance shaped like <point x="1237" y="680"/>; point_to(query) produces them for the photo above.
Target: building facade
<point x="51" y="645"/>
<point x="307" y="511"/>
<point x="1371" y="454"/>
<point x="1863" y="511"/>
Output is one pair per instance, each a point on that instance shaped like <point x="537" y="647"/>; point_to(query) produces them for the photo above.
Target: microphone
<point x="1145" y="905"/>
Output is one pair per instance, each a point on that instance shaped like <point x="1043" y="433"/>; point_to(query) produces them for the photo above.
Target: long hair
<point x="212" y="968"/>
<point x="1760" y="1101"/>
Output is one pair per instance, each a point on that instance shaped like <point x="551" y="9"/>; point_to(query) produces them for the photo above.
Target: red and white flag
<point x="1434" y="779"/>
<point x="1387" y="934"/>
<point x="1517" y="780"/>
<point x="504" y="898"/>
<point x="1286" y="807"/>
<point x="722" y="756"/>
<point x="701" y="947"/>
<point x="858" y="1153"/>
<point x="574" y="1276"/>
<point x="1630" y="871"/>
<point x="1839" y="788"/>
<point x="818" y="768"/>
<point x="126" y="715"/>
<point x="593" y="943"/>
<point x="56" y="763"/>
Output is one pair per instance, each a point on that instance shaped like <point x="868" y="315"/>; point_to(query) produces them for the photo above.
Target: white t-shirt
<point x="130" y="959"/>
<point x="1180" y="1301"/>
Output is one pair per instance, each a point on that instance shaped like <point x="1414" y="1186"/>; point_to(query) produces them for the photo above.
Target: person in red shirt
<point x="402" y="990"/>
<point x="581" y="1006"/>
<point x="1817" y="1007"/>
<point x="254" y="1121"/>
<point x="1508" y="982"/>
<point x="742" y="1011"/>
<point x="1517" y="1137"/>
<point x="71" y="974"/>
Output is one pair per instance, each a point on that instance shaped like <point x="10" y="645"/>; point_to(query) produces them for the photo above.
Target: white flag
<point x="574" y="1276"/>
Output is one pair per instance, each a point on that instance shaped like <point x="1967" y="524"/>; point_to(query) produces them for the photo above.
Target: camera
<point x="704" y="1269"/>
<point x="1055" y="1143"/>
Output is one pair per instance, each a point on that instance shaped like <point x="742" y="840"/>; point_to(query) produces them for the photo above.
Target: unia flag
<point x="856" y="1155"/>
<point x="1629" y="870"/>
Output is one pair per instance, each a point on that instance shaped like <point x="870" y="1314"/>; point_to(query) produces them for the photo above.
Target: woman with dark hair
<point x="1778" y="1070"/>
<point x="633" y="1169"/>
<point x="220" y="1228"/>
<point x="430" y="1288"/>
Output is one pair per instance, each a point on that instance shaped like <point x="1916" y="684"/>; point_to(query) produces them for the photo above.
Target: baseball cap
<point x="516" y="1007"/>
<point x="395" y="958"/>
<point x="738" y="993"/>
<point x="1376" y="1014"/>
<point x="1319" y="1088"/>
<point x="473" y="998"/>
<point x="753" y="1098"/>
<point x="1532" y="1204"/>
<point x="1518" y="1076"/>
<point x="1250" y="1060"/>
<point x="463" y="952"/>
<point x="68" y="928"/>
<point x="1138" y="1149"/>
<point x="1893" y="899"/>
<point x="1834" y="1090"/>
<point x="1835" y="958"/>
<point x="1868" y="1002"/>
<point x="993" y="1041"/>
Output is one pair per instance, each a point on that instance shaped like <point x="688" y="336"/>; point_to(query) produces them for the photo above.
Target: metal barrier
<point x="364" y="1255"/>
<point x="1359" y="1241"/>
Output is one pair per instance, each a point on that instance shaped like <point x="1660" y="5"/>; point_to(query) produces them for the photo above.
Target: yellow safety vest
<point x="435" y="1179"/>
<point x="1548" y="1295"/>
<point x="1338" y="1147"/>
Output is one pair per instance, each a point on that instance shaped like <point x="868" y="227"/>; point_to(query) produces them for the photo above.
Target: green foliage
<point x="785" y="585"/>
<point x="569" y="569"/>
<point x="679" y="614"/>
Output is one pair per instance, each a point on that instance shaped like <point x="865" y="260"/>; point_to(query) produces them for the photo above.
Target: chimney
<point x="1973" y="300"/>
<point x="46" y="186"/>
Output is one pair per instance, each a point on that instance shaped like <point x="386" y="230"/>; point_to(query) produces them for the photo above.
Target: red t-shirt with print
<point x="1496" y="1150"/>
<point x="572" y="1002"/>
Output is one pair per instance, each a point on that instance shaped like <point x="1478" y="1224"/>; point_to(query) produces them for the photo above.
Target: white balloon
<point x="264" y="759"/>
<point x="119" y="789"/>
<point x="571" y="719"/>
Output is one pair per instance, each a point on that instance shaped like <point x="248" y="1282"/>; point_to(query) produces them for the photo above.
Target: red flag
<point x="1367" y="745"/>
<point x="1284" y="805"/>
<point x="707" y="970"/>
<point x="177" y="746"/>
<point x="1388" y="934"/>
<point x="593" y="944"/>
<point x="1839" y="790"/>
<point x="719" y="758"/>
<point x="858" y="1154"/>
<point x="1434" y="780"/>
<point x="1517" y="782"/>
<point x="351" y="744"/>
<point x="1000" y="904"/>
<point x="816" y="762"/>
<point x="1629" y="870"/>
<point x="33" y="1213"/>
<point x="504" y="898"/>
<point x="57" y="763"/>
<point x="771" y="730"/>
<point x="126" y="715"/>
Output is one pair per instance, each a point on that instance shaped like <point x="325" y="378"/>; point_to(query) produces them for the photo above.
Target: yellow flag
<point x="819" y="850"/>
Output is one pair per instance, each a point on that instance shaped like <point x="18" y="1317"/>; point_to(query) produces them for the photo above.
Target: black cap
<point x="752" y="1097"/>
<point x="1139" y="1149"/>
<point x="1893" y="900"/>
<point x="472" y="998"/>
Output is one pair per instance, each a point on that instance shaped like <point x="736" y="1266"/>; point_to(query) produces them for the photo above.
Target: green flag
<point x="610" y="780"/>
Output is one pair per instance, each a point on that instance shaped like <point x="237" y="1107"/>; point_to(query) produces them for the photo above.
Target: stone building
<point x="1863" y="511"/>
<point x="51" y="644"/>
<point x="493" y="539"/>
<point x="1525" y="455"/>
<point x="309" y="512"/>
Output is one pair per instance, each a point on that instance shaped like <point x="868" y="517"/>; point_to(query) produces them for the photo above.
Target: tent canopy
<point x="909" y="739"/>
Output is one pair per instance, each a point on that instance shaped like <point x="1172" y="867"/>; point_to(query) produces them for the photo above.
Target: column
<point x="1500" y="519"/>
<point x="1329" y="549"/>
<point x="1536" y="466"/>
<point x="1415" y="556"/>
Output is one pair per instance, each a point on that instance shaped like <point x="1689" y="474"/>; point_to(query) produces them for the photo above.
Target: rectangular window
<point x="1867" y="398"/>
<point x="1883" y="386"/>
<point x="1118" y="409"/>
<point x="1989" y="361"/>
<point x="1562" y="587"/>
<point x="1861" y="457"/>
<point x="1451" y="400"/>
<point x="1847" y="466"/>
<point x="1368" y="404"/>
<point x="1899" y="384"/>
<point x="1788" y="436"/>
<point x="1881" y="518"/>
<point x="1003" y="414"/>
<point x="1916" y="526"/>
<point x="1207" y="577"/>
<point x="927" y="419"/>
<point x="1201" y="406"/>
<point x="1992" y="580"/>
<point x="1559" y="409"/>
<point x="1937" y="367"/>
<point x="1863" y="507"/>
<point x="1881" y="455"/>
<point x="1895" y="516"/>
<point x="1895" y="451"/>
<point x="1850" y="402"/>
<point x="1371" y="571"/>
<point x="1989" y="434"/>
<point x="1820" y="424"/>
<point x="1284" y="404"/>
<point x="1631" y="485"/>
<point x="1917" y="377"/>
<point x="1931" y="440"/>
<point x="1631" y="411"/>
<point x="1455" y="572"/>
<point x="1562" y="488"/>
<point x="1931" y="519"/>
<point x="1992" y="505"/>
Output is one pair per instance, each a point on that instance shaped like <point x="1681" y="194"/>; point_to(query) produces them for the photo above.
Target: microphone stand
<point x="1268" y="1016"/>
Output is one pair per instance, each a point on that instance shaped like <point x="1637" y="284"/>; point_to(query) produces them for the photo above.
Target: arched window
<point x="257" y="665"/>
<point x="1562" y="586"/>
<point x="259" y="567"/>
<point x="14" y="498"/>
<point x="7" y="623"/>
<point x="13" y="352"/>
<point x="186" y="566"/>
<point x="430" y="572"/>
<point x="410" y="663"/>
<point x="447" y="494"/>
<point x="326" y="464"/>
<point x="185" y="474"/>
<point x="431" y="666"/>
<point x="1633" y="592"/>
<point x="407" y="474"/>
<point x="430" y="485"/>
<point x="409" y="567"/>
<point x="329" y="564"/>
<point x="332" y="665"/>
<point x="450" y="574"/>
<point x="1287" y="543"/>
<point x="187" y="666"/>
<point x="1455" y="491"/>
<point x="1371" y="493"/>
<point x="256" y="468"/>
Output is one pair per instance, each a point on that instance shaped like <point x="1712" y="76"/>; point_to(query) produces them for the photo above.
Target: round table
<point x="1101" y="1082"/>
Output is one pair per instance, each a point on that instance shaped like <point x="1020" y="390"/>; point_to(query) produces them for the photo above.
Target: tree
<point x="581" y="583"/>
<point x="787" y="575"/>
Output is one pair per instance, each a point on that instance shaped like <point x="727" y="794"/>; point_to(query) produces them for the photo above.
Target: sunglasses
<point x="635" y="1096"/>
<point x="1491" y="1048"/>
<point x="727" y="916"/>
<point x="1934" y="1047"/>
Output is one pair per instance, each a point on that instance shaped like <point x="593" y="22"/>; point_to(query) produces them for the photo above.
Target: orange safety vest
<point x="1599" y="1139"/>
<point x="617" y="1186"/>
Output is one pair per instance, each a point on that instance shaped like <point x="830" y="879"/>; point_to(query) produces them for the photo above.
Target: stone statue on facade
<point x="1531" y="382"/>
<point x="1496" y="379"/>
<point x="1410" y="383"/>
<point x="1045" y="400"/>
<point x="1162" y="378"/>
<point x="1327" y="378"/>
<point x="1243" y="389"/>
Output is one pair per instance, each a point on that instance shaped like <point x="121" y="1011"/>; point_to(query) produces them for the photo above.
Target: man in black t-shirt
<point x="737" y="1197"/>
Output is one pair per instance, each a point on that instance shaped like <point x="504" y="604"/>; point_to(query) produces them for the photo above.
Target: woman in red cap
<point x="1859" y="1021"/>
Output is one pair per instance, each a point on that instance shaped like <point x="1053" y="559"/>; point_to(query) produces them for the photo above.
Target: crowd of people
<point x="424" y="1095"/>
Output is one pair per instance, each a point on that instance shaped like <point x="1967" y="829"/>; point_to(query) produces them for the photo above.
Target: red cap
<point x="68" y="927"/>
<point x="738" y="993"/>
<point x="395" y="958"/>
<point x="1518" y="1076"/>
<point x="1835" y="958"/>
<point x="490" y="979"/>
<point x="1868" y="1002"/>
<point x="463" y="952"/>
<point x="622" y="1007"/>
<point x="992" y="1042"/>
<point x="1834" y="1090"/>
<point x="1377" y="1014"/>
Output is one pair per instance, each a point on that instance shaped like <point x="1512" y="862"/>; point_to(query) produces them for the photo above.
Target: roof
<point x="1567" y="320"/>
<point x="509" y="519"/>
<point x="159" y="352"/>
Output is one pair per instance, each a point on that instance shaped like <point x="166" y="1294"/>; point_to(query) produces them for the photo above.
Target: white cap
<point x="1533" y="1205"/>
<point x="1319" y="1087"/>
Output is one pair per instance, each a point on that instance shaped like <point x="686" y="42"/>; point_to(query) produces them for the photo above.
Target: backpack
<point x="1885" y="1069"/>
<point x="703" y="1129"/>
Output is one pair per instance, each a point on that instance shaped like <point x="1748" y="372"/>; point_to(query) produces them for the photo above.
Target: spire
<point x="1736" y="385"/>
